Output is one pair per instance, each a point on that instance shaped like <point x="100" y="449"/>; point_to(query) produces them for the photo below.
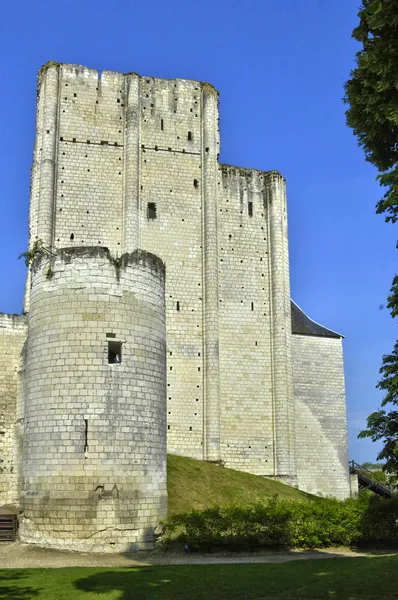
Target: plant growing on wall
<point x="31" y="254"/>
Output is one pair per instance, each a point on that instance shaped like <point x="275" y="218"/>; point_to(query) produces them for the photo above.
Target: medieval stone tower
<point x="126" y="179"/>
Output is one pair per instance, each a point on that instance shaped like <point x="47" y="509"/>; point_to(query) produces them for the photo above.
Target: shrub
<point x="380" y="520"/>
<point x="283" y="524"/>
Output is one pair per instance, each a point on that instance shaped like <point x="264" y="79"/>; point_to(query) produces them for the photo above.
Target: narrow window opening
<point x="189" y="136"/>
<point x="255" y="343"/>
<point x="190" y="429"/>
<point x="178" y="305"/>
<point x="151" y="210"/>
<point x="161" y="124"/>
<point x="85" y="435"/>
<point x="252" y="306"/>
<point x="72" y="236"/>
<point x="250" y="209"/>
<point x="195" y="183"/>
<point x="114" y="352"/>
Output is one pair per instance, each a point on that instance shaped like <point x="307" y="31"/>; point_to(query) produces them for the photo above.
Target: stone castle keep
<point x="157" y="306"/>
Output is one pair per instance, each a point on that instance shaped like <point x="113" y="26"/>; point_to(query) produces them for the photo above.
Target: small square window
<point x="114" y="352"/>
<point x="151" y="210"/>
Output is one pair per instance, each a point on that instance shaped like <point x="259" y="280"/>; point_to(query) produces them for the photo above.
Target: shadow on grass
<point x="12" y="587"/>
<point x="343" y="579"/>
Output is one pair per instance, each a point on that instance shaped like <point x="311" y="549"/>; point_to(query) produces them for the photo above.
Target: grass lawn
<point x="196" y="484"/>
<point x="340" y="579"/>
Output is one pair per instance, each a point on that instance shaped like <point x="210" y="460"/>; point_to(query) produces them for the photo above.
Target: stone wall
<point x="130" y="162"/>
<point x="13" y="331"/>
<point x="94" y="457"/>
<point x="171" y="172"/>
<point x="254" y="308"/>
<point x="109" y="149"/>
<point x="320" y="416"/>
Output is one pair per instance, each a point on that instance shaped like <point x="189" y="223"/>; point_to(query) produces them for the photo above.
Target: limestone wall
<point x="170" y="171"/>
<point x="13" y="331"/>
<point x="320" y="416"/>
<point x="77" y="176"/>
<point x="247" y="431"/>
<point x="109" y="147"/>
<point x="94" y="462"/>
<point x="130" y="162"/>
<point x="254" y="308"/>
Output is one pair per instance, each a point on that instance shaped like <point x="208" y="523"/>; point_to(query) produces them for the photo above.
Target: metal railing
<point x="368" y="481"/>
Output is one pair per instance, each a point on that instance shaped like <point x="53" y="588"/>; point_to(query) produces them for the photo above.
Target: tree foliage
<point x="383" y="425"/>
<point x="371" y="94"/>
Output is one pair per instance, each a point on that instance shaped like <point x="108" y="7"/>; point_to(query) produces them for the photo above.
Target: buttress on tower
<point x="125" y="180"/>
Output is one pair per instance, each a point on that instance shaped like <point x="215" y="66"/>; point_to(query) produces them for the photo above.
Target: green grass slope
<point x="197" y="484"/>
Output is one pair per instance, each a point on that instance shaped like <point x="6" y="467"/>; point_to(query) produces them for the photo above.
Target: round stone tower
<point x="94" y="456"/>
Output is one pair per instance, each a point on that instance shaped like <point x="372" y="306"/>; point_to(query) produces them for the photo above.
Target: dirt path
<point x="16" y="555"/>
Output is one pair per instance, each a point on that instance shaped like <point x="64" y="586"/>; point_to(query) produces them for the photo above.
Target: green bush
<point x="380" y="520"/>
<point x="283" y="524"/>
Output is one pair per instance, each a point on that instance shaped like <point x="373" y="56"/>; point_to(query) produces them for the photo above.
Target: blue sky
<point x="280" y="69"/>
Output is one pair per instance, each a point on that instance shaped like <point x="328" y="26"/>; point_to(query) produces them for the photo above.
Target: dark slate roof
<point x="305" y="326"/>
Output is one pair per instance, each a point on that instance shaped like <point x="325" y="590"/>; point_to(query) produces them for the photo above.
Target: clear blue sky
<point x="280" y="69"/>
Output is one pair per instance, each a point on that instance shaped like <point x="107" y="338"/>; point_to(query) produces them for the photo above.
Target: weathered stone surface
<point x="13" y="331"/>
<point x="125" y="162"/>
<point x="94" y="457"/>
<point x="320" y="416"/>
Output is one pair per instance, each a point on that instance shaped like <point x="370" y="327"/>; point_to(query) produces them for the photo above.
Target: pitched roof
<point x="303" y="325"/>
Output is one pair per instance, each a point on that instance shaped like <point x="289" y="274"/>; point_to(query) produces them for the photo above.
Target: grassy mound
<point x="196" y="484"/>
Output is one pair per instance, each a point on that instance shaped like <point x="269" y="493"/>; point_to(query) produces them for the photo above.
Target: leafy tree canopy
<point x="383" y="425"/>
<point x="372" y="95"/>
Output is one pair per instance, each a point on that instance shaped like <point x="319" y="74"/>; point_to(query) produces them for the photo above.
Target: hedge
<point x="320" y="523"/>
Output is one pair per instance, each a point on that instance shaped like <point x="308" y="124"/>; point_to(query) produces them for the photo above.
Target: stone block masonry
<point x="94" y="456"/>
<point x="13" y="332"/>
<point x="320" y="415"/>
<point x="126" y="162"/>
<point x="135" y="164"/>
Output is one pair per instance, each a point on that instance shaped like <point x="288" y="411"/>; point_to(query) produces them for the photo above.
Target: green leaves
<point x="320" y="523"/>
<point x="383" y="425"/>
<point x="30" y="255"/>
<point x="371" y="94"/>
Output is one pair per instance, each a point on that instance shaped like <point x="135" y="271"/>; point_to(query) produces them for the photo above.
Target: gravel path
<point x="16" y="555"/>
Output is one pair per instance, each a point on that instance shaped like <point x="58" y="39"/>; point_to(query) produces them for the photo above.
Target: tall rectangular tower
<point x="127" y="162"/>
